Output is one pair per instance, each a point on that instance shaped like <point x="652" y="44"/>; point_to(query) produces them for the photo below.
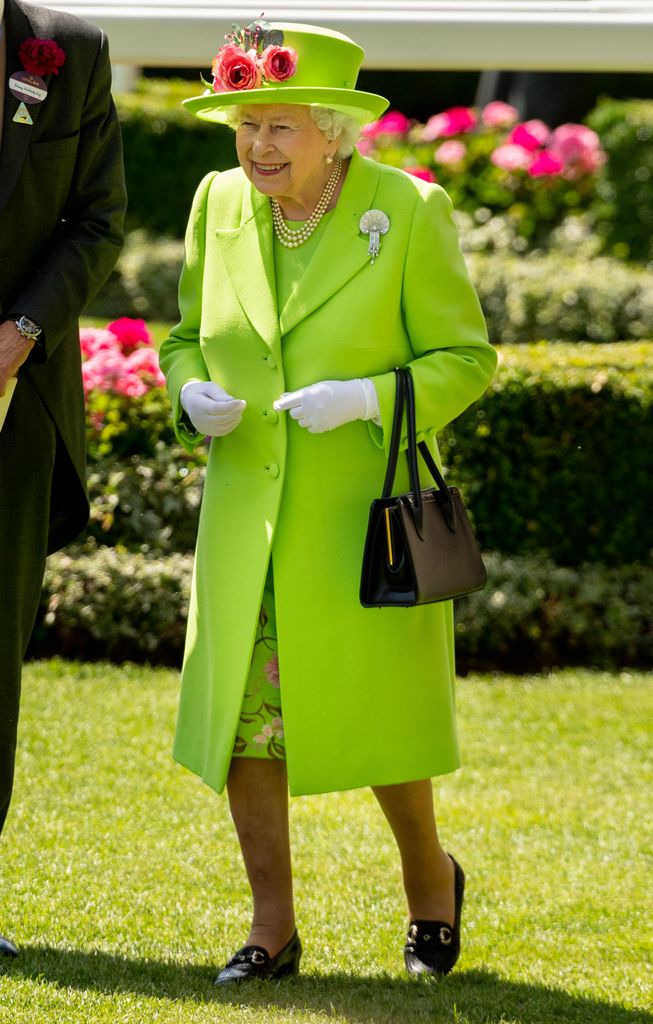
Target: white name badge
<point x="28" y="88"/>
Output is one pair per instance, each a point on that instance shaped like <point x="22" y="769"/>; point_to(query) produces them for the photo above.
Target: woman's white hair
<point x="332" y="124"/>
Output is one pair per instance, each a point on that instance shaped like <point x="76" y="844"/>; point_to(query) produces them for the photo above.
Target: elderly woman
<point x="289" y="334"/>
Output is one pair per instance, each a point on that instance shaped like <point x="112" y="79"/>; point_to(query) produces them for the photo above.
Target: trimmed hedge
<point x="532" y="615"/>
<point x="556" y="459"/>
<point x="167" y="153"/>
<point x="624" y="210"/>
<point x="551" y="295"/>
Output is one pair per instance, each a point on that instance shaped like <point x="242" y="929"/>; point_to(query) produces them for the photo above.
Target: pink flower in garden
<point x="545" y="164"/>
<point x="530" y="135"/>
<point x="144" y="363"/>
<point x="510" y="158"/>
<point x="96" y="339"/>
<point x="131" y="333"/>
<point x="103" y="371"/>
<point x="579" y="148"/>
<point x="499" y="115"/>
<point x="421" y="172"/>
<point x="454" y="121"/>
<point x="271" y="669"/>
<point x="365" y="146"/>
<point x="392" y="123"/>
<point x="450" y="152"/>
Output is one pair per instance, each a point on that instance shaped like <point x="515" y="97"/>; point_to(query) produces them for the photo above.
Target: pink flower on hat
<point x="277" y="63"/>
<point x="235" y="69"/>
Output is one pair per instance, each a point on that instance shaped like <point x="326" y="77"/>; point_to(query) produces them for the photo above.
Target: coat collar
<point x="249" y="257"/>
<point x="15" y="137"/>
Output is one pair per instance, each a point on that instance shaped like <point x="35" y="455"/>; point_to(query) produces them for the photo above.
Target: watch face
<point x="27" y="327"/>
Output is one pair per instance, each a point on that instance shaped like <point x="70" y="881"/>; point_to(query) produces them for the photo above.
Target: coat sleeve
<point x="454" y="361"/>
<point x="180" y="355"/>
<point x="91" y="233"/>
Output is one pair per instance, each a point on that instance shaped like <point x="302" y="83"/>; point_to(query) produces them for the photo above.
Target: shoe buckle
<point x="446" y="936"/>
<point x="258" y="957"/>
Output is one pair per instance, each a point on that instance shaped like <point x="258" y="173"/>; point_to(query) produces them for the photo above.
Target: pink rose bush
<point x="488" y="158"/>
<point x="123" y="386"/>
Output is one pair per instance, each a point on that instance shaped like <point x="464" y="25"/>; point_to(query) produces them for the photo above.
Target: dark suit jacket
<point x="62" y="204"/>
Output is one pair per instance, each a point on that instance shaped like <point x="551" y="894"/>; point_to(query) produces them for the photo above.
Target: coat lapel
<point x="15" y="137"/>
<point x="248" y="256"/>
<point x="342" y="252"/>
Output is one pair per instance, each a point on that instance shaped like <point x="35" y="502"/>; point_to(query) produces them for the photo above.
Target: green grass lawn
<point x="121" y="879"/>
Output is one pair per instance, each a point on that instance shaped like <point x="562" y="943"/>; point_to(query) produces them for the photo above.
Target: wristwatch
<point x="28" y="328"/>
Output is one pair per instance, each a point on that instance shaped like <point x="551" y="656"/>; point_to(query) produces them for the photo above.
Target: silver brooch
<point x="374" y="223"/>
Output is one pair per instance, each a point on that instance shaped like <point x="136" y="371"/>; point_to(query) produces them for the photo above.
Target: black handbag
<point x="419" y="547"/>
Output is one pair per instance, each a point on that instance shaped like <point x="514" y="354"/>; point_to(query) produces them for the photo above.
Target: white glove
<point x="330" y="403"/>
<point x="210" y="409"/>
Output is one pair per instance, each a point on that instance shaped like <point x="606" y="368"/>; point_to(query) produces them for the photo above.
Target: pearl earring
<point x="328" y="158"/>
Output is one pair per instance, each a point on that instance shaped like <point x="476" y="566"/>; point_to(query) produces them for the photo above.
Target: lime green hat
<point x="287" y="63"/>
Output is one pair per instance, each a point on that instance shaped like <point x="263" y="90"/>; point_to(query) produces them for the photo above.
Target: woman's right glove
<point x="210" y="409"/>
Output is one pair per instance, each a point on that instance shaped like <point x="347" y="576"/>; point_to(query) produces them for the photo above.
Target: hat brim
<point x="362" y="106"/>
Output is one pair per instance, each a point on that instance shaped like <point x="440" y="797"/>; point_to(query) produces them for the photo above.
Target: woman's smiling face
<point x="282" y="152"/>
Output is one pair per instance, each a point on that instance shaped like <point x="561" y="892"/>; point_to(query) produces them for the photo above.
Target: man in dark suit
<point x="62" y="203"/>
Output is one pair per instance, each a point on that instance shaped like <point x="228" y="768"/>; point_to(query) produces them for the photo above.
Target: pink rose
<point x="499" y="115"/>
<point x="96" y="339"/>
<point x="131" y="333"/>
<point x="277" y="63"/>
<point x="392" y="123"/>
<point x="144" y="363"/>
<point x="454" y="121"/>
<point x="579" y="148"/>
<point x="450" y="152"/>
<point x="235" y="69"/>
<point x="421" y="172"/>
<point x="510" y="158"/>
<point x="530" y="135"/>
<point x="545" y="164"/>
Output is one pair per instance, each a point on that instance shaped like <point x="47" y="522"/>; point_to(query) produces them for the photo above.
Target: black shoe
<point x="432" y="947"/>
<point x="7" y="948"/>
<point x="253" y="962"/>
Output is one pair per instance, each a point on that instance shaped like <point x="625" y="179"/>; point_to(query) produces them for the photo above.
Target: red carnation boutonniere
<point x="41" y="57"/>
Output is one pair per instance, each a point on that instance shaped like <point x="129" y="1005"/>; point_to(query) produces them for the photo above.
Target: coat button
<point x="273" y="470"/>
<point x="271" y="361"/>
<point x="271" y="415"/>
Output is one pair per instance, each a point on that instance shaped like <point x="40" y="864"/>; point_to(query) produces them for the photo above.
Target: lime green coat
<point x="367" y="694"/>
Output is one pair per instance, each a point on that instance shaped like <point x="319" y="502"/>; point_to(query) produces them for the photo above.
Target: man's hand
<point x="14" y="350"/>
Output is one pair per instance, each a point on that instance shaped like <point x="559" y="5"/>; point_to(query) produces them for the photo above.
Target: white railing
<point x="578" y="35"/>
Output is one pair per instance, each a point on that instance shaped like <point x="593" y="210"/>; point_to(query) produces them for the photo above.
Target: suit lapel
<point x="342" y="251"/>
<point x="15" y="137"/>
<point x="248" y="256"/>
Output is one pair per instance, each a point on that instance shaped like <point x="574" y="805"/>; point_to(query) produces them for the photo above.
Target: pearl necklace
<point x="294" y="238"/>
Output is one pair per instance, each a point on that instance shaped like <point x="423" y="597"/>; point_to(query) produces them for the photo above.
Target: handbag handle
<point x="405" y="396"/>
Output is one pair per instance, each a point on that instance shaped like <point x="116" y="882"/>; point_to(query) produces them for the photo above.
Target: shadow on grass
<point x="479" y="997"/>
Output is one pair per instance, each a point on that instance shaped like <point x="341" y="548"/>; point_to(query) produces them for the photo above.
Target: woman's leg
<point x="258" y="799"/>
<point x="428" y="872"/>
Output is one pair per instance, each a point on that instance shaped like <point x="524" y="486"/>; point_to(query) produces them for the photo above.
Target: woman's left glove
<point x="331" y="403"/>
